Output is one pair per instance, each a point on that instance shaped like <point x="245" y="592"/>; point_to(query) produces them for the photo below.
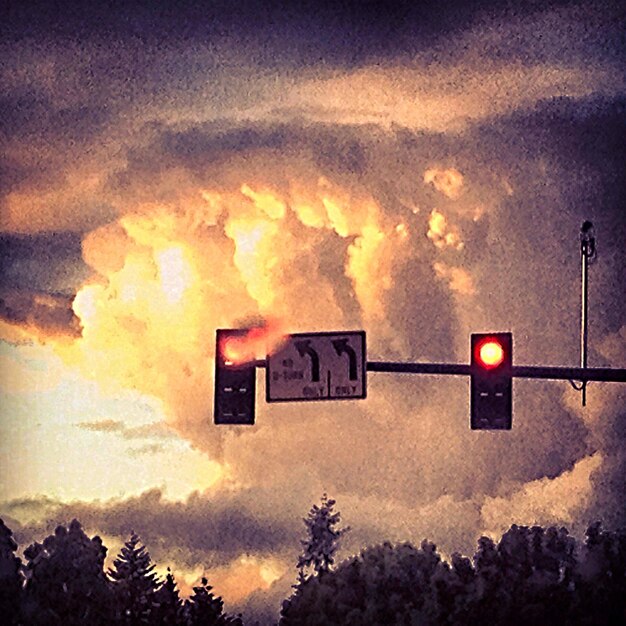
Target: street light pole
<point x="587" y="252"/>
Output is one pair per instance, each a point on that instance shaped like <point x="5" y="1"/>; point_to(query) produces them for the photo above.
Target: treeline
<point x="532" y="576"/>
<point x="63" y="583"/>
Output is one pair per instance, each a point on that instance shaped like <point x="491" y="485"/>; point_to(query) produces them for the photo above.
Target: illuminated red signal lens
<point x="230" y="350"/>
<point x="490" y="353"/>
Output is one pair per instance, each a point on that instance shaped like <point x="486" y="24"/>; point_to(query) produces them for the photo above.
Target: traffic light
<point x="491" y="395"/>
<point x="235" y="382"/>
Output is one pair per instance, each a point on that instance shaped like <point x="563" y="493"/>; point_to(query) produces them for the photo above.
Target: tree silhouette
<point x="600" y="578"/>
<point x="205" y="609"/>
<point x="10" y="577"/>
<point x="384" y="585"/>
<point x="532" y="576"/>
<point x="323" y="538"/>
<point x="168" y="607"/>
<point x="135" y="582"/>
<point x="490" y="592"/>
<point x="65" y="580"/>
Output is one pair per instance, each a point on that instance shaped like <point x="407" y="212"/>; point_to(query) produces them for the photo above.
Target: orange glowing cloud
<point x="245" y="576"/>
<point x="164" y="280"/>
<point x="441" y="233"/>
<point x="458" y="278"/>
<point x="449" y="182"/>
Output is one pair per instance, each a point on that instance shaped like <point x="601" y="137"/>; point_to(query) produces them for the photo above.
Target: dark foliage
<point x="65" y="585"/>
<point x="65" y="580"/>
<point x="10" y="577"/>
<point x="533" y="576"/>
<point x="168" y="607"/>
<point x="205" y="609"/>
<point x="134" y="583"/>
<point x="322" y="541"/>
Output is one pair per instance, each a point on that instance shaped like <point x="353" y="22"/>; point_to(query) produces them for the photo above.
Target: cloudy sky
<point x="419" y="171"/>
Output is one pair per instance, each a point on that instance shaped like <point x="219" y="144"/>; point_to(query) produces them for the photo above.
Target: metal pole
<point x="600" y="374"/>
<point x="604" y="374"/>
<point x="583" y="320"/>
<point x="587" y="251"/>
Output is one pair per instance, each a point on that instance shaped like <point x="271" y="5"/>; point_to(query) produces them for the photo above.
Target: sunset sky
<point x="419" y="171"/>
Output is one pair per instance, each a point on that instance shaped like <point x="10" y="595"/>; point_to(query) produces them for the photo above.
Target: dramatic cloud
<point x="605" y="418"/>
<point x="208" y="530"/>
<point x="441" y="99"/>
<point x="48" y="313"/>
<point x="239" y="548"/>
<point x="458" y="278"/>
<point x="545" y="501"/>
<point x="282" y="234"/>
<point x="423" y="180"/>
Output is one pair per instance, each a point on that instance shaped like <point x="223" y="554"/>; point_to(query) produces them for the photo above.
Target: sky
<point x="417" y="171"/>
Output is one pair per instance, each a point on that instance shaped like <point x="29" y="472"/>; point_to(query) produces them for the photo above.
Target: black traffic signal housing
<point x="491" y="394"/>
<point x="235" y="383"/>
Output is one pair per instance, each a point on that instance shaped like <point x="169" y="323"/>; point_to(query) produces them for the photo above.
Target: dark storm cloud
<point x="582" y="32"/>
<point x="43" y="136"/>
<point x="47" y="262"/>
<point x="566" y="157"/>
<point x="28" y="114"/>
<point x="16" y="175"/>
<point x="202" y="145"/>
<point x="49" y="314"/>
<point x="588" y="131"/>
<point x="78" y="80"/>
<point x="39" y="275"/>
<point x="203" y="530"/>
<point x="348" y="32"/>
<point x="334" y="148"/>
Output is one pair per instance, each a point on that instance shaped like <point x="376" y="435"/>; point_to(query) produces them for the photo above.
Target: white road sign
<point x="318" y="366"/>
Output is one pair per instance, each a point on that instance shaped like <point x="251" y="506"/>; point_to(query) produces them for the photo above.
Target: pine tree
<point x="323" y="538"/>
<point x="168" y="605"/>
<point x="10" y="576"/>
<point x="203" y="608"/>
<point x="135" y="582"/>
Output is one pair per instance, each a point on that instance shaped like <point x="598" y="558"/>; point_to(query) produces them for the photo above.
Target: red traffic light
<point x="235" y="376"/>
<point x="230" y="350"/>
<point x="491" y="389"/>
<point x="489" y="353"/>
<point x="235" y="349"/>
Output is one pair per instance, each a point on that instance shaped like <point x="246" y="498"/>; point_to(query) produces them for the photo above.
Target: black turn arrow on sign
<point x="341" y="347"/>
<point x="304" y="347"/>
